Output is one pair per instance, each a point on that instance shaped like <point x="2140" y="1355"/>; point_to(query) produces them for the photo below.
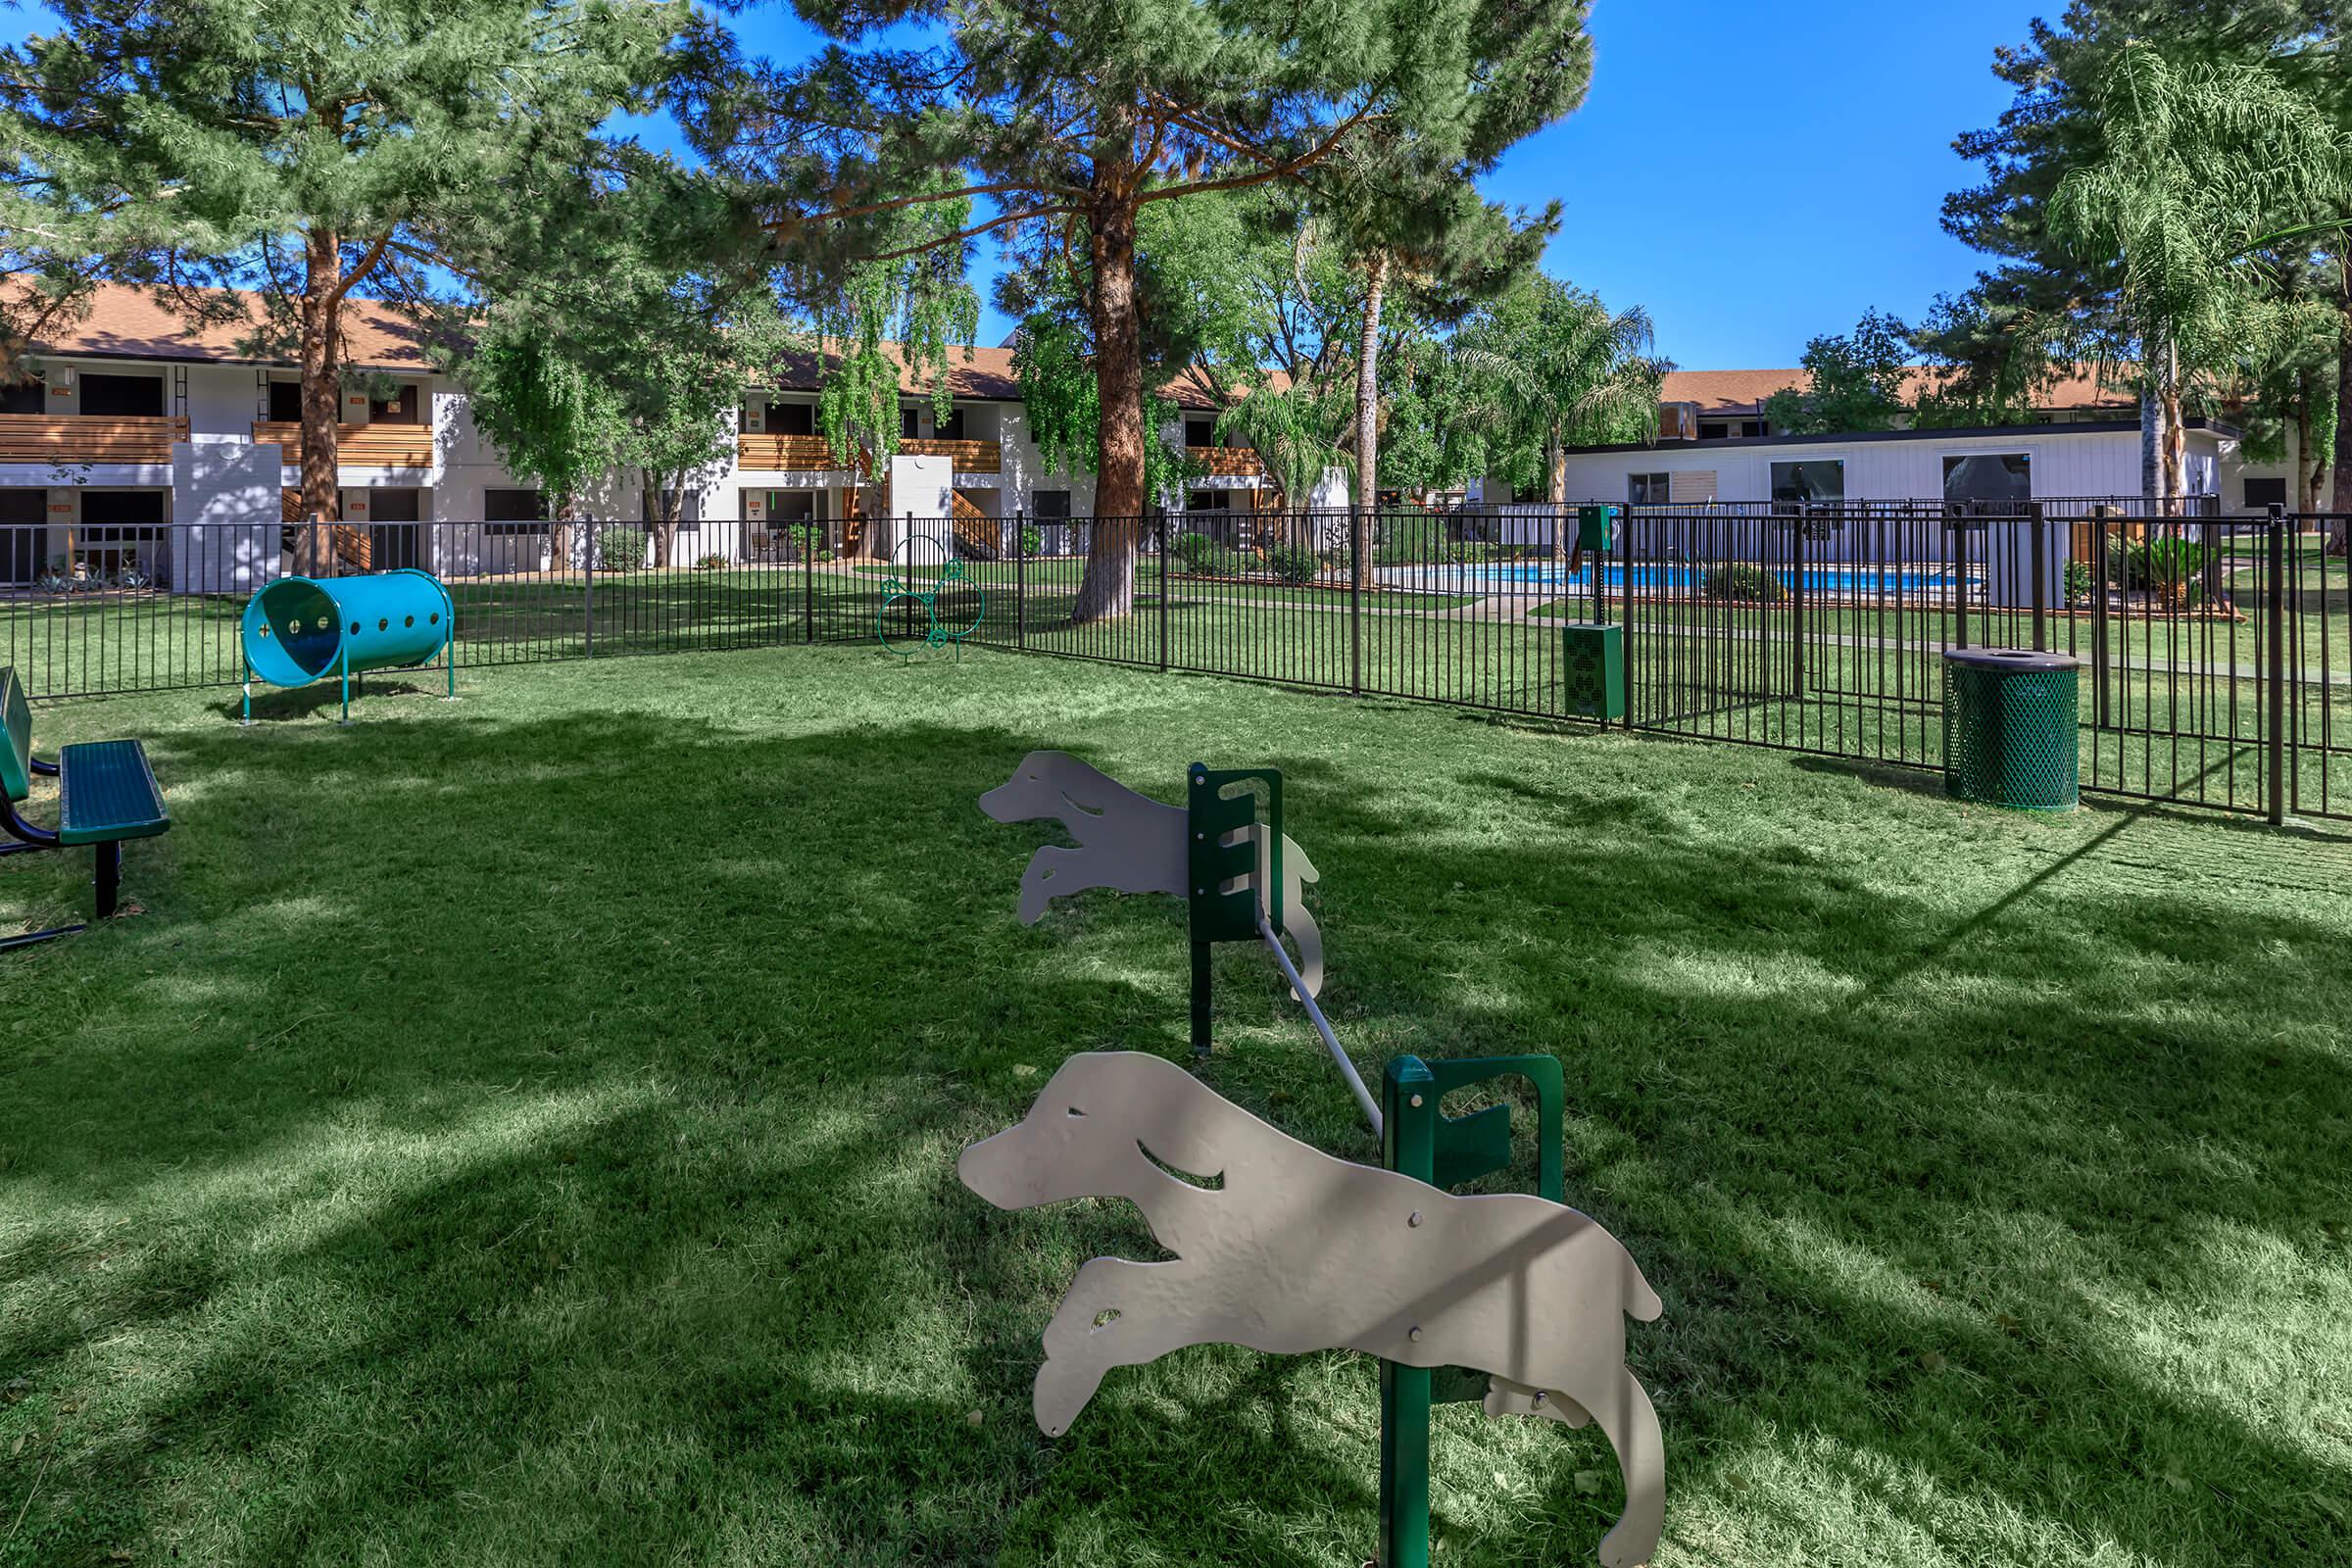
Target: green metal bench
<point x="106" y="794"/>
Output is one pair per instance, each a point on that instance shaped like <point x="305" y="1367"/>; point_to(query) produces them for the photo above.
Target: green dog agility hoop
<point x="935" y="635"/>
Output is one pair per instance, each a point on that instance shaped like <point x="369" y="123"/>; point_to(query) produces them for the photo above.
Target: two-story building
<point x="147" y="443"/>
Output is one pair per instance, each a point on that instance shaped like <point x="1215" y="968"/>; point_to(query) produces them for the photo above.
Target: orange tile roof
<point x="1742" y="393"/>
<point x="126" y="322"/>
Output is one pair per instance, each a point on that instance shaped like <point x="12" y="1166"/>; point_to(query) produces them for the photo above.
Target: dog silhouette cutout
<point x="1282" y="1247"/>
<point x="1129" y="842"/>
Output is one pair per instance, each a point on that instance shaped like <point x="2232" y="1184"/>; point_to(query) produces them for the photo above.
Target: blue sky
<point x="1751" y="172"/>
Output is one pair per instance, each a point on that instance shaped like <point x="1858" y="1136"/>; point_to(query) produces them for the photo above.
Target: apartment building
<point x="144" y="441"/>
<point x="1715" y="445"/>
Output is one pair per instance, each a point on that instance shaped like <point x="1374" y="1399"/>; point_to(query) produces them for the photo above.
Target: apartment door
<point x="24" y="535"/>
<point x="393" y="515"/>
<point x="121" y="530"/>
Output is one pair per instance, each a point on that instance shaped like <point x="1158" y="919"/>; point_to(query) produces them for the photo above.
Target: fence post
<point x="2099" y="614"/>
<point x="811" y="540"/>
<point x="1797" y="607"/>
<point x="1625" y="583"/>
<point x="1159" y="538"/>
<point x="1955" y="521"/>
<point x="2038" y="536"/>
<point x="2276" y="608"/>
<point x="1355" y="591"/>
<point x="588" y="582"/>
<point x="1020" y="577"/>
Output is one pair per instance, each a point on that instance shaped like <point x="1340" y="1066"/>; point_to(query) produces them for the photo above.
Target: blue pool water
<point x="1817" y="580"/>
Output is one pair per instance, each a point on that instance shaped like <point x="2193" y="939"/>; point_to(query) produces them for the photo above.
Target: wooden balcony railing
<point x="89" y="437"/>
<point x="765" y="452"/>
<point x="1228" y="462"/>
<point x="362" y="446"/>
<point x="971" y="457"/>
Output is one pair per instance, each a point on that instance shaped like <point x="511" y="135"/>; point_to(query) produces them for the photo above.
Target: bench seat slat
<point x="105" y="791"/>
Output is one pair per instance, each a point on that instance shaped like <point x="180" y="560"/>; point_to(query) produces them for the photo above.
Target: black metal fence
<point x="2216" y="650"/>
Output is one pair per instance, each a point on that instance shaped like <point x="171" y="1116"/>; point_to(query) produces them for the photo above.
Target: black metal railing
<point x="2216" y="650"/>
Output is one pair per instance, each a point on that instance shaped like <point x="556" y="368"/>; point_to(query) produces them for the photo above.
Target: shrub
<point x="710" y="563"/>
<point x="1293" y="564"/>
<point x="1752" y="585"/>
<point x="1194" y="547"/>
<point x="2172" y="568"/>
<point x="1410" y="539"/>
<point x="1033" y="541"/>
<point x="2077" y="585"/>
<point x="619" y="549"/>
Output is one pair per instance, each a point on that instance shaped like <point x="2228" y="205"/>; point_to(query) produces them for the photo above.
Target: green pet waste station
<point x="2010" y="723"/>
<point x="303" y="629"/>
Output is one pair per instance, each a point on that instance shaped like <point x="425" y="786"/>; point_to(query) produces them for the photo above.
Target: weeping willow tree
<point x="2201" y="162"/>
<point x="919" y="298"/>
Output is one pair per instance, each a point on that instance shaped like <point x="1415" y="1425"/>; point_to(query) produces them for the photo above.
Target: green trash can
<point x="2009" y="721"/>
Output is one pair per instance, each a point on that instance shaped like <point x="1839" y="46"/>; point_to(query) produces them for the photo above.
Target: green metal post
<point x="1408" y="1094"/>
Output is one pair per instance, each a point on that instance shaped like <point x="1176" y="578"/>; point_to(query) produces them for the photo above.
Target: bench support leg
<point x="109" y="856"/>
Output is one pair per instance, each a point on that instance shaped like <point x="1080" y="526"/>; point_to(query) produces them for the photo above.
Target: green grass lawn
<point x="524" y="1131"/>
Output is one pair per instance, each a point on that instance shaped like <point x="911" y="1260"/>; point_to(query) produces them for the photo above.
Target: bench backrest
<point x="15" y="750"/>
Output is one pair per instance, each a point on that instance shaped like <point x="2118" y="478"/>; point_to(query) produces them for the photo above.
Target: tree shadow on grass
<point x="1848" y="1122"/>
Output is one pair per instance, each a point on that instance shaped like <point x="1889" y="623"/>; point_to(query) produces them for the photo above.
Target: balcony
<point x="971" y="457"/>
<point x="89" y="437"/>
<point x="361" y="446"/>
<point x="1227" y="463"/>
<point x="765" y="452"/>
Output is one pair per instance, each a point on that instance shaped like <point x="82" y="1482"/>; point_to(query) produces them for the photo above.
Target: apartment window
<point x="514" y="511"/>
<point x="1648" y="489"/>
<point x="1797" y="484"/>
<point x="2261" y="493"/>
<point x="285" y="401"/>
<point x="1201" y="432"/>
<point x="1713" y="432"/>
<point x="792" y="418"/>
<point x="1988" y="476"/>
<point x="909" y="424"/>
<point x="25" y="397"/>
<point x="403" y="406"/>
<point x="122" y="396"/>
<point x="1049" y="506"/>
<point x="951" y="428"/>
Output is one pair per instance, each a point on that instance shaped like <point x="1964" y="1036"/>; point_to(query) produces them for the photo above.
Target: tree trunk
<point x="321" y="358"/>
<point x="1367" y="426"/>
<point x="2176" y="437"/>
<point x="1555" y="487"/>
<point x="2151" y="470"/>
<point x="664" y="514"/>
<point x="560" y="535"/>
<point x="2307" y="467"/>
<point x="1108" y="587"/>
<point x="2340" y="532"/>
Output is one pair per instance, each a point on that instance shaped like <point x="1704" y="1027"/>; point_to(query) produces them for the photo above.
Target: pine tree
<point x="1077" y="118"/>
<point x="302" y="151"/>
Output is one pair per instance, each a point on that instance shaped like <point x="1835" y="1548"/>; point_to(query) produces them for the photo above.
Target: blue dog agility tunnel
<point x="302" y="629"/>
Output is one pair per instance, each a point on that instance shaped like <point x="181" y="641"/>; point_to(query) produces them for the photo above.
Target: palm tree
<point x="2201" y="162"/>
<point x="1562" y="369"/>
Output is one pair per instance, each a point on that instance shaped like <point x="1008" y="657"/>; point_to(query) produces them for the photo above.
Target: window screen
<point x="1796" y="484"/>
<point x="1988" y="476"/>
